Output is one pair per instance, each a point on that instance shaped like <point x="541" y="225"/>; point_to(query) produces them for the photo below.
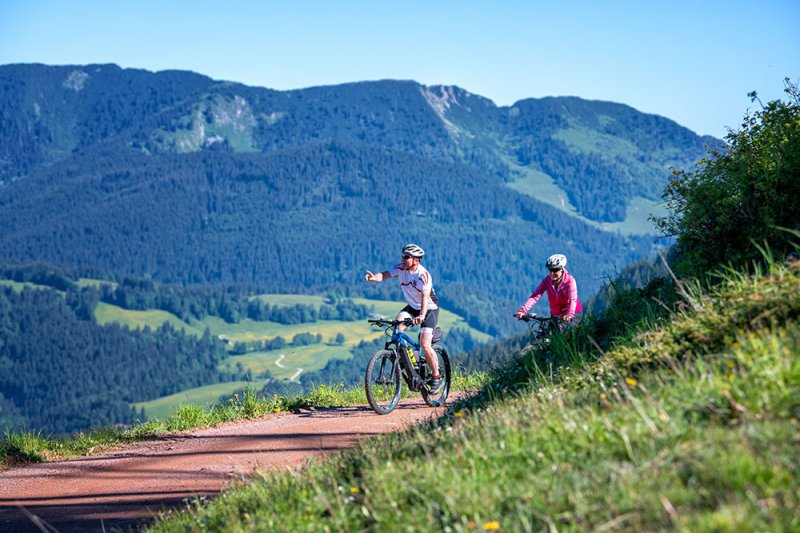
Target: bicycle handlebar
<point x="540" y="319"/>
<point x="394" y="323"/>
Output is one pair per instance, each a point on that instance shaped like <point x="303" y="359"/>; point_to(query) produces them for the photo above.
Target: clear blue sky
<point x="691" y="61"/>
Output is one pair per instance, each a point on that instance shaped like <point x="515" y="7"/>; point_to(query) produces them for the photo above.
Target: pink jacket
<point x="563" y="300"/>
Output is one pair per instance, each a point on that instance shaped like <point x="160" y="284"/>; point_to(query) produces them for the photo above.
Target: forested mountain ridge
<point x="185" y="179"/>
<point x="50" y="112"/>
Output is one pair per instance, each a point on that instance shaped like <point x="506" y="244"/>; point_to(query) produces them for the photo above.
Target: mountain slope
<point x="245" y="218"/>
<point x="183" y="178"/>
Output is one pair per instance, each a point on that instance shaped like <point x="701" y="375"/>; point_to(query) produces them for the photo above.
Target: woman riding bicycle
<point x="422" y="306"/>
<point x="561" y="288"/>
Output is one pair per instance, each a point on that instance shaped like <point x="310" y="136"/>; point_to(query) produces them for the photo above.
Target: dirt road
<point x="127" y="486"/>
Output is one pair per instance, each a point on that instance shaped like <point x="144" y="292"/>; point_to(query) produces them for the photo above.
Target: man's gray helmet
<point x="556" y="262"/>
<point x="413" y="250"/>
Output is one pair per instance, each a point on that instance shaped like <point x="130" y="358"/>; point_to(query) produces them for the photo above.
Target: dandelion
<point x="491" y="526"/>
<point x="459" y="415"/>
<point x="354" y="490"/>
<point x="602" y="395"/>
<point x="631" y="382"/>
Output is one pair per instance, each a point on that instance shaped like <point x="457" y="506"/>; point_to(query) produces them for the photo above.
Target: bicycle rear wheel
<point x="439" y="399"/>
<point x="382" y="381"/>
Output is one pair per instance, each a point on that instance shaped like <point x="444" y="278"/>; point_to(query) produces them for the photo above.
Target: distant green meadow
<point x="18" y="286"/>
<point x="637" y="219"/>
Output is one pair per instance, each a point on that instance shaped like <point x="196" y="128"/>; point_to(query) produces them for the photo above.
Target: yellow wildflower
<point x="631" y="382"/>
<point x="491" y="526"/>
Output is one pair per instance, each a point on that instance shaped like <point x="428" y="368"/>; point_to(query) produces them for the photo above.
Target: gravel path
<point x="127" y="486"/>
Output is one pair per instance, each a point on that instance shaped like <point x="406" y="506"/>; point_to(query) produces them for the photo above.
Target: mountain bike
<point x="397" y="362"/>
<point x="541" y="328"/>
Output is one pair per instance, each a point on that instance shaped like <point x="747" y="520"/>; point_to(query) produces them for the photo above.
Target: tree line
<point x="61" y="371"/>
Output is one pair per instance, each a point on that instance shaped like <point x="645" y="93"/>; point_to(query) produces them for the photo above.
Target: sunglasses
<point x="406" y="256"/>
<point x="555" y="269"/>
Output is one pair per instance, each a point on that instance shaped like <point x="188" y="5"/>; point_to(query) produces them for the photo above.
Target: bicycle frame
<point x="383" y="382"/>
<point x="541" y="327"/>
<point x="401" y="340"/>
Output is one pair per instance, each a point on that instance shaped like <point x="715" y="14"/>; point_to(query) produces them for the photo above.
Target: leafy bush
<point x="742" y="196"/>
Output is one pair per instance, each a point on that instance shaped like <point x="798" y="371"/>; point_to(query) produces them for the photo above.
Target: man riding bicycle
<point x="423" y="305"/>
<point x="561" y="288"/>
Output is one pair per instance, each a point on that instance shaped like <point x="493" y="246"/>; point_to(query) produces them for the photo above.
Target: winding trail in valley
<point x="127" y="486"/>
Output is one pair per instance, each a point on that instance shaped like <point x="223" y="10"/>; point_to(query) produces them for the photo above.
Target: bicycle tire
<point x="439" y="399"/>
<point x="383" y="389"/>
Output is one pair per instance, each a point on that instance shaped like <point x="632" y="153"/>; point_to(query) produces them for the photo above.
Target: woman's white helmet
<point x="556" y="262"/>
<point x="413" y="250"/>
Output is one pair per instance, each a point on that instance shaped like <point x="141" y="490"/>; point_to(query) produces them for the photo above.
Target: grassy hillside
<point x="688" y="421"/>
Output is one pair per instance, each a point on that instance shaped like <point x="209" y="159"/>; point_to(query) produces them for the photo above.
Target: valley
<point x="259" y="367"/>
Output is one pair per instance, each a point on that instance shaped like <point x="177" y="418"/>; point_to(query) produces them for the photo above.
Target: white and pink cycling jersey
<point x="413" y="283"/>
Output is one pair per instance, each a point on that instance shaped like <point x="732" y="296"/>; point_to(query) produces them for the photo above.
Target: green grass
<point x="637" y="218"/>
<point x="541" y="186"/>
<point x="162" y="408"/>
<point x="584" y="140"/>
<point x="96" y="283"/>
<point x="18" y="286"/>
<point x="291" y="361"/>
<point x="688" y="422"/>
<point x="287" y="300"/>
<point x="106" y="314"/>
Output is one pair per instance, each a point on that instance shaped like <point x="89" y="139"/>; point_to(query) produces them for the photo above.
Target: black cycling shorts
<point x="430" y="321"/>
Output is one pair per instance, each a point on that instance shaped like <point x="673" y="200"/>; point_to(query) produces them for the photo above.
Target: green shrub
<point x="742" y="196"/>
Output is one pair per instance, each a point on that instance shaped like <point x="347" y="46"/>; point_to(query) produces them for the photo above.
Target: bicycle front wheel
<point x="382" y="381"/>
<point x="439" y="399"/>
